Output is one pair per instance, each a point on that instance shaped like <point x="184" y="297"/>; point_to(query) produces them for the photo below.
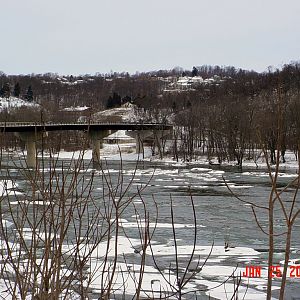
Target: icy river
<point x="222" y="221"/>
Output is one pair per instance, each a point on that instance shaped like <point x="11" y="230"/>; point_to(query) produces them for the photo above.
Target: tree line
<point x="230" y="119"/>
<point x="6" y="91"/>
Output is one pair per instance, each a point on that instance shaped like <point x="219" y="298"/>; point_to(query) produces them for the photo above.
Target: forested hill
<point x="176" y="89"/>
<point x="228" y="109"/>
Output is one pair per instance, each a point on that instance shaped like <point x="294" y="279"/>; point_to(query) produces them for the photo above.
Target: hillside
<point x="13" y="103"/>
<point x="125" y="113"/>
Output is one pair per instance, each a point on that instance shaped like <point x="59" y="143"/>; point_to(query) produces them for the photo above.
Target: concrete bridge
<point x="31" y="132"/>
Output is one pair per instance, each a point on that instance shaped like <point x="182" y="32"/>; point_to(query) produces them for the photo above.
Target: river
<point x="221" y="220"/>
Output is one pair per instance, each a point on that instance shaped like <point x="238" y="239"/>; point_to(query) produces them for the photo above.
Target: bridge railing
<point x="23" y="124"/>
<point x="13" y="124"/>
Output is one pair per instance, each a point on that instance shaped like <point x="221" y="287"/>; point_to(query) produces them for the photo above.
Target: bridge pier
<point x="30" y="132"/>
<point x="139" y="146"/>
<point x="31" y="154"/>
<point x="30" y="139"/>
<point x="97" y="144"/>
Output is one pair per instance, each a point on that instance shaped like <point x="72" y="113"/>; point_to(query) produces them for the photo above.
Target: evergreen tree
<point x="195" y="72"/>
<point x="109" y="103"/>
<point x="188" y="104"/>
<point x="17" y="90"/>
<point x="6" y="90"/>
<point x="114" y="101"/>
<point x="1" y="93"/>
<point x="117" y="100"/>
<point x="174" y="106"/>
<point x="29" y="94"/>
<point x="126" y="99"/>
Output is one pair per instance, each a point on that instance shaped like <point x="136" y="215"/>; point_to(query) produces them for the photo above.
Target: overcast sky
<point x="89" y="36"/>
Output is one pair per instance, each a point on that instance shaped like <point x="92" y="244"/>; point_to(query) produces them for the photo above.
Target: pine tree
<point x="113" y="101"/>
<point x="17" y="90"/>
<point x="6" y="90"/>
<point x="195" y="72"/>
<point x="29" y="94"/>
<point x="116" y="99"/>
<point x="109" y="103"/>
<point x="126" y="99"/>
<point x="174" y="106"/>
<point x="1" y="93"/>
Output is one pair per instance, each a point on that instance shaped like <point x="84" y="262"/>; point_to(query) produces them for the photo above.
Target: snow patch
<point x="12" y="103"/>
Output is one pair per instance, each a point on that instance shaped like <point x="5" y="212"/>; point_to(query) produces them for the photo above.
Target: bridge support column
<point x="31" y="154"/>
<point x="30" y="139"/>
<point x="139" y="147"/>
<point x="97" y="144"/>
<point x="96" y="150"/>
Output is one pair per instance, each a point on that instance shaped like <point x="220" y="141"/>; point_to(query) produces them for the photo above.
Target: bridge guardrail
<point x="17" y="124"/>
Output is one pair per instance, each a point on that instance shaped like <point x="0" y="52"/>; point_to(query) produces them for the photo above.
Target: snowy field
<point x="14" y="103"/>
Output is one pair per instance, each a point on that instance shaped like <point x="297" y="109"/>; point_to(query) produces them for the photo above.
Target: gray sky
<point x="88" y="36"/>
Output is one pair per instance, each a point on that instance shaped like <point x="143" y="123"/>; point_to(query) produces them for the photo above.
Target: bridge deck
<point x="30" y="126"/>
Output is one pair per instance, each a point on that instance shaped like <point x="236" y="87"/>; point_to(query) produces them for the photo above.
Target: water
<point x="220" y="217"/>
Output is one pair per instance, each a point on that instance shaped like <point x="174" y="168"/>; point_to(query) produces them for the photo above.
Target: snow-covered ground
<point x="75" y="108"/>
<point x="15" y="103"/>
<point x="127" y="148"/>
<point x="125" y="113"/>
<point x="8" y="187"/>
<point x="109" y="152"/>
<point x="290" y="162"/>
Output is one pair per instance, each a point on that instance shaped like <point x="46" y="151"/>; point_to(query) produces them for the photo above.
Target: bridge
<point x="83" y="126"/>
<point x="31" y="132"/>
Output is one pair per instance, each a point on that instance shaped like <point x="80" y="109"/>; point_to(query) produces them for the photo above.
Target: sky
<point x="90" y="36"/>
